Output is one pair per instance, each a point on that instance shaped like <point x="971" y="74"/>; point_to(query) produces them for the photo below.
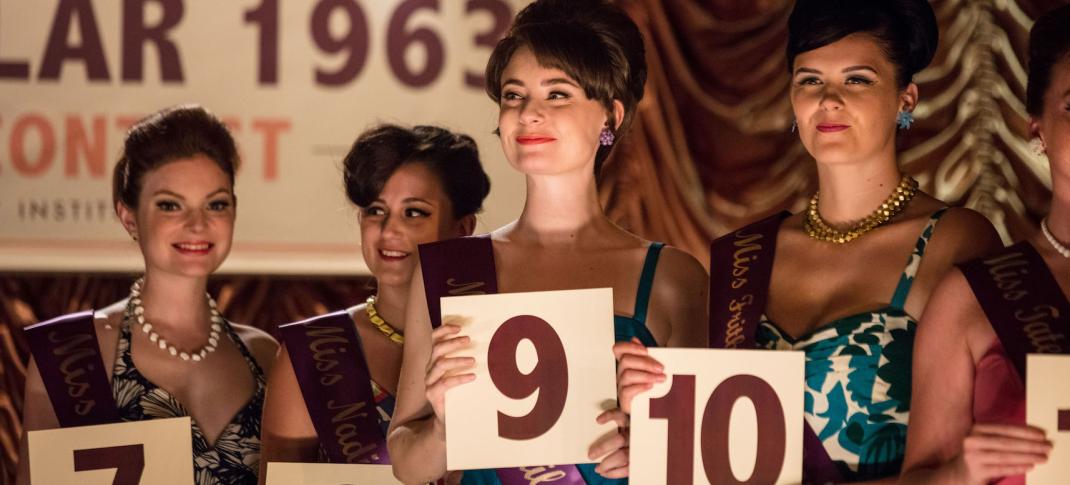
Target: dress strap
<point x="646" y="281"/>
<point x="906" y="280"/>
<point x="258" y="373"/>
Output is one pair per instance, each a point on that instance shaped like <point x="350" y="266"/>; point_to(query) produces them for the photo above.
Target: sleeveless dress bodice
<point x="858" y="378"/>
<point x="234" y="458"/>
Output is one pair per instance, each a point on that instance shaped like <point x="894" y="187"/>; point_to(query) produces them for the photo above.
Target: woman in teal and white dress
<point x="853" y="271"/>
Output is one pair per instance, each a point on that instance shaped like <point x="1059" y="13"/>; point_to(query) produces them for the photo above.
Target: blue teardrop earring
<point x="904" y="119"/>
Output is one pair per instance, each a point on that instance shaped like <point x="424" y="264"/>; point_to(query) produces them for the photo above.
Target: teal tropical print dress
<point x="858" y="372"/>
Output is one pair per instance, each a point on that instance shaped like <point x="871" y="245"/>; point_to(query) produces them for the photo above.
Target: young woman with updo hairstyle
<point x="169" y="351"/>
<point x="849" y="280"/>
<point x="410" y="186"/>
<point x="968" y="423"/>
<point x="566" y="78"/>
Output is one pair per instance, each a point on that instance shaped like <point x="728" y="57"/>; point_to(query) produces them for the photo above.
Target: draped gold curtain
<point x="711" y="150"/>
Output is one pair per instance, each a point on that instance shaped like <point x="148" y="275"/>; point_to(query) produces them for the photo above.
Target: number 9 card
<point x="544" y="371"/>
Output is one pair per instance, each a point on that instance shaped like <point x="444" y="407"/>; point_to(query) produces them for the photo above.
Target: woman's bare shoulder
<point x="260" y="343"/>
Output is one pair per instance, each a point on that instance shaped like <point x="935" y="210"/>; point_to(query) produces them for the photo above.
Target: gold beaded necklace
<point x="381" y="324"/>
<point x="895" y="203"/>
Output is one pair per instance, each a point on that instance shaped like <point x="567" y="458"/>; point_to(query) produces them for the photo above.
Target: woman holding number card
<point x="851" y="272"/>
<point x="411" y="186"/>
<point x="567" y="79"/>
<point x="968" y="424"/>
<point x="169" y="351"/>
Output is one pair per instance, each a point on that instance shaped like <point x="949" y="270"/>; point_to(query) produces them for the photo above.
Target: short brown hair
<point x="380" y="151"/>
<point x="1049" y="44"/>
<point x="172" y="133"/>
<point x="595" y="43"/>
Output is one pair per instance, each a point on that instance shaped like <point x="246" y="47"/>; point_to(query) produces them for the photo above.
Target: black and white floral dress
<point x="235" y="456"/>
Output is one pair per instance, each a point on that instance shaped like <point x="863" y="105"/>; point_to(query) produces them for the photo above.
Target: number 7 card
<point x="544" y="371"/>
<point x="158" y="451"/>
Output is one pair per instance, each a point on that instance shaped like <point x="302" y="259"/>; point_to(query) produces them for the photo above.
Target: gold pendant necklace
<point x="817" y="228"/>
<point x="381" y="324"/>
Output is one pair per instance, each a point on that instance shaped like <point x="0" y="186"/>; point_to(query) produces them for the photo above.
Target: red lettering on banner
<point x="83" y="140"/>
<point x="1064" y="420"/>
<point x="58" y="51"/>
<point x="271" y="128"/>
<point x="77" y="141"/>
<point x="136" y="34"/>
<point x="19" y="158"/>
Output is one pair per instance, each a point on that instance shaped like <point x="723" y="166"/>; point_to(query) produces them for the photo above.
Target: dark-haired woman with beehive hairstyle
<point x="852" y="273"/>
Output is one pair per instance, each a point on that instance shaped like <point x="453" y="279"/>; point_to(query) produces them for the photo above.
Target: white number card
<point x="329" y="474"/>
<point x="1047" y="398"/>
<point x="721" y="416"/>
<point x="157" y="452"/>
<point x="544" y="371"/>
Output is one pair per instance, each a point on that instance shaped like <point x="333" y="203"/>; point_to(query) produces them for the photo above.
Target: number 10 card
<point x="721" y="416"/>
<point x="544" y="371"/>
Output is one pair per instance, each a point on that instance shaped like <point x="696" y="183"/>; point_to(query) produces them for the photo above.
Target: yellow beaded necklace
<point x="816" y="227"/>
<point x="381" y="324"/>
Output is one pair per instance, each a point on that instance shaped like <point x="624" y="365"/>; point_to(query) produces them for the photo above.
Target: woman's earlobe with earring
<point x="606" y="137"/>
<point x="904" y="119"/>
<point x="1036" y="145"/>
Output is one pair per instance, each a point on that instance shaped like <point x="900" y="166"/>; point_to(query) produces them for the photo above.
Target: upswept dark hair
<point x="379" y="151"/>
<point x="905" y="29"/>
<point x="172" y="133"/>
<point x="1049" y="43"/>
<point x="591" y="41"/>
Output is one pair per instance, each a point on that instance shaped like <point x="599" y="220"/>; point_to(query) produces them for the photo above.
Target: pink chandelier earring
<point x="607" y="137"/>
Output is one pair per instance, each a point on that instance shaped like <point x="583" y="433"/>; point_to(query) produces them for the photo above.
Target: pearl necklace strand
<point x="1063" y="250"/>
<point x="146" y="327"/>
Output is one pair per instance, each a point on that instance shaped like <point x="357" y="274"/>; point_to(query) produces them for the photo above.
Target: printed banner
<point x="296" y="82"/>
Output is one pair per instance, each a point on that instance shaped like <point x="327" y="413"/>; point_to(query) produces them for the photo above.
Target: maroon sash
<point x="332" y="372"/>
<point x="741" y="265"/>
<point x="465" y="266"/>
<point x="1022" y="301"/>
<point x="454" y="267"/>
<point x="72" y="369"/>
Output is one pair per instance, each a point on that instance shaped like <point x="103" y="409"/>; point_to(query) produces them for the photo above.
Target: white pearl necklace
<point x="146" y="327"/>
<point x="1063" y="250"/>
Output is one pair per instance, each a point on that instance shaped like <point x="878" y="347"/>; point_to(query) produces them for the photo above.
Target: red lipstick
<point x="534" y="139"/>
<point x="193" y="248"/>
<point x="831" y="127"/>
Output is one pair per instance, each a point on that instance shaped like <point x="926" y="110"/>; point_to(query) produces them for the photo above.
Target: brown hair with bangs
<point x="591" y="41"/>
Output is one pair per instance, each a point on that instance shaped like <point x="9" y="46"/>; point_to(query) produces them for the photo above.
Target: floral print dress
<point x="858" y="372"/>
<point x="235" y="456"/>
